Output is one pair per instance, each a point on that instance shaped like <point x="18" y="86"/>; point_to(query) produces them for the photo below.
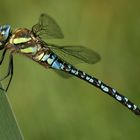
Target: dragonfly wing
<point x="75" y="54"/>
<point x="62" y="74"/>
<point x="47" y="27"/>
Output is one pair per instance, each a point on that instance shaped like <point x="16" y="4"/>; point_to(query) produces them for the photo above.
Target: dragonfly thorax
<point x="21" y="35"/>
<point x="22" y="40"/>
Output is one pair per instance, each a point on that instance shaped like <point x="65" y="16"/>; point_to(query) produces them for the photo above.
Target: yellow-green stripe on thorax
<point x="29" y="50"/>
<point x="20" y="36"/>
<point x="24" y="41"/>
<point x="20" y="40"/>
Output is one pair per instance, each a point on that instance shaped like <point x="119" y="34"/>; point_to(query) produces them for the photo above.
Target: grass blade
<point x="9" y="129"/>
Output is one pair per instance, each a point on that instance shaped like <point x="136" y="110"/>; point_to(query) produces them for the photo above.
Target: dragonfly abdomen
<point x="99" y="84"/>
<point x="48" y="59"/>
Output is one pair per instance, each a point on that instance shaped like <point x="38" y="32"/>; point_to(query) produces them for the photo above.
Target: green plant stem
<point x="9" y="129"/>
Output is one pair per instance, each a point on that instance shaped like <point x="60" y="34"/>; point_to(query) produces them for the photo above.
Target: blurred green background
<point x="49" y="107"/>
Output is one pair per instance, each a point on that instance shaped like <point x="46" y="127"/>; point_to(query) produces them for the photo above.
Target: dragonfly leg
<point x="9" y="72"/>
<point x="2" y="57"/>
<point x="1" y="60"/>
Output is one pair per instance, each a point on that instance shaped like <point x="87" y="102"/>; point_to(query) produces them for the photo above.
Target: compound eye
<point x="4" y="32"/>
<point x="2" y="38"/>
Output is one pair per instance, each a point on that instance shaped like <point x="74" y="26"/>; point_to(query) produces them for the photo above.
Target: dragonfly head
<point x="4" y="34"/>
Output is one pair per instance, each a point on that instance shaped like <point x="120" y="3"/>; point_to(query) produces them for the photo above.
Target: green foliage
<point x="9" y="129"/>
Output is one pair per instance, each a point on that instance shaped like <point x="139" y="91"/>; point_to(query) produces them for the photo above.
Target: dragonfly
<point x="30" y="43"/>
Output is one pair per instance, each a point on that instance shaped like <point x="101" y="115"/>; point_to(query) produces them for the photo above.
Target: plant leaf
<point x="9" y="129"/>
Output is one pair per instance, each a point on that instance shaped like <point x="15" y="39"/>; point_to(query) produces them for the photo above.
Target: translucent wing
<point x="62" y="74"/>
<point x="47" y="27"/>
<point x="75" y="54"/>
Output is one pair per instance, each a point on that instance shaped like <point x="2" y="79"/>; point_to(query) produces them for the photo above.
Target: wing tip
<point x="61" y="36"/>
